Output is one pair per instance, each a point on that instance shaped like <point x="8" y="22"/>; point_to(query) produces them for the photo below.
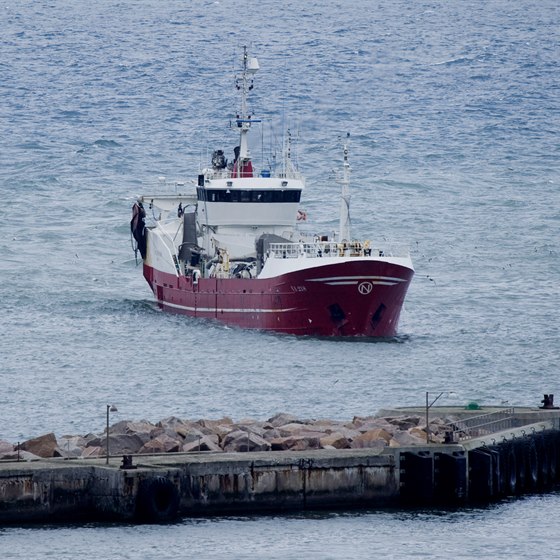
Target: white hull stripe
<point x="385" y="280"/>
<point x="354" y="282"/>
<point x="221" y="309"/>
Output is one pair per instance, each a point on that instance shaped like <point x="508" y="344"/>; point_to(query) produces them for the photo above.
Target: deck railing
<point x="264" y="173"/>
<point x="324" y="249"/>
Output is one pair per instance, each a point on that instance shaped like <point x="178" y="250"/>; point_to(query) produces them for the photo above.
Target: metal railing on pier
<point x="482" y="425"/>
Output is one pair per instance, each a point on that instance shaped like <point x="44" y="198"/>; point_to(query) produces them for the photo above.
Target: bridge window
<point x="241" y="195"/>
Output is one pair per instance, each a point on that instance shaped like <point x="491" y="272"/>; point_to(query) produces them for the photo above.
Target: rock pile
<point x="281" y="432"/>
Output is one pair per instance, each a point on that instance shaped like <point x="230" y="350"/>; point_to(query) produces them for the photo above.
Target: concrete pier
<point x="494" y="464"/>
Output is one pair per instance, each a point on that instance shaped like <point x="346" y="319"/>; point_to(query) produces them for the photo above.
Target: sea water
<point x="453" y="113"/>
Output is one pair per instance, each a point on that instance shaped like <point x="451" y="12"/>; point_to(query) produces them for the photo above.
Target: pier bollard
<point x="548" y="402"/>
<point x="127" y="463"/>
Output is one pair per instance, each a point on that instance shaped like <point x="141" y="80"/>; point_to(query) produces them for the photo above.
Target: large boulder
<point x="240" y="440"/>
<point x="359" y="421"/>
<point x="418" y="432"/>
<point x="404" y="423"/>
<point x="120" y="444"/>
<point x="142" y="428"/>
<point x="89" y="437"/>
<point x="126" y="444"/>
<point x="253" y="427"/>
<point x="171" y="423"/>
<point x="323" y="424"/>
<point x="334" y="441"/>
<point x="42" y="446"/>
<point x="270" y="433"/>
<point x="220" y="427"/>
<point x="439" y="427"/>
<point x="329" y="427"/>
<point x="193" y="434"/>
<point x="348" y="433"/>
<point x="93" y="452"/>
<point x="205" y="443"/>
<point x="372" y="439"/>
<point x="20" y="456"/>
<point x="282" y="419"/>
<point x="364" y="424"/>
<point x="295" y="443"/>
<point x="161" y="444"/>
<point x="155" y="432"/>
<point x="406" y="439"/>
<point x="212" y="424"/>
<point x="70" y="446"/>
<point x="371" y="423"/>
<point x="294" y="429"/>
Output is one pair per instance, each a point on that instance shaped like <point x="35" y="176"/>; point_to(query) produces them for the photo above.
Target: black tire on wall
<point x="157" y="500"/>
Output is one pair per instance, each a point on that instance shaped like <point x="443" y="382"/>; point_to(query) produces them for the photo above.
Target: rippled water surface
<point x="453" y="110"/>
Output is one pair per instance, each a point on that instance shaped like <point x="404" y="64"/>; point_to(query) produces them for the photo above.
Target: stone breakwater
<point x="279" y="464"/>
<point x="282" y="432"/>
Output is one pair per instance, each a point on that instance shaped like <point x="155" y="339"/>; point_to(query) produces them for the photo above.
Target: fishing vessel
<point x="232" y="246"/>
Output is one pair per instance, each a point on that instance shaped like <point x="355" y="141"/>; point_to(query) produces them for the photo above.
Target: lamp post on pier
<point x="428" y="406"/>
<point x="110" y="408"/>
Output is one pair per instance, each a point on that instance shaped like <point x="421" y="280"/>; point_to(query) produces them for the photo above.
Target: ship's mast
<point x="244" y="83"/>
<point x="344" y="223"/>
<point x="287" y="156"/>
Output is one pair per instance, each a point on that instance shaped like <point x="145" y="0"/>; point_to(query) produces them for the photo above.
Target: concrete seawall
<point x="159" y="488"/>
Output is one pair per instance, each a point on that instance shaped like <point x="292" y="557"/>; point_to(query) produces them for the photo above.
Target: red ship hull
<point x="361" y="298"/>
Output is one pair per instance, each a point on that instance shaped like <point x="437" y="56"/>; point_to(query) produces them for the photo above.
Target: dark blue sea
<point x="454" y="114"/>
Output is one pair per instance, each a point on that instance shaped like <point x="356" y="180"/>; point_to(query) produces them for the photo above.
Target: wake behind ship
<point x="232" y="249"/>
